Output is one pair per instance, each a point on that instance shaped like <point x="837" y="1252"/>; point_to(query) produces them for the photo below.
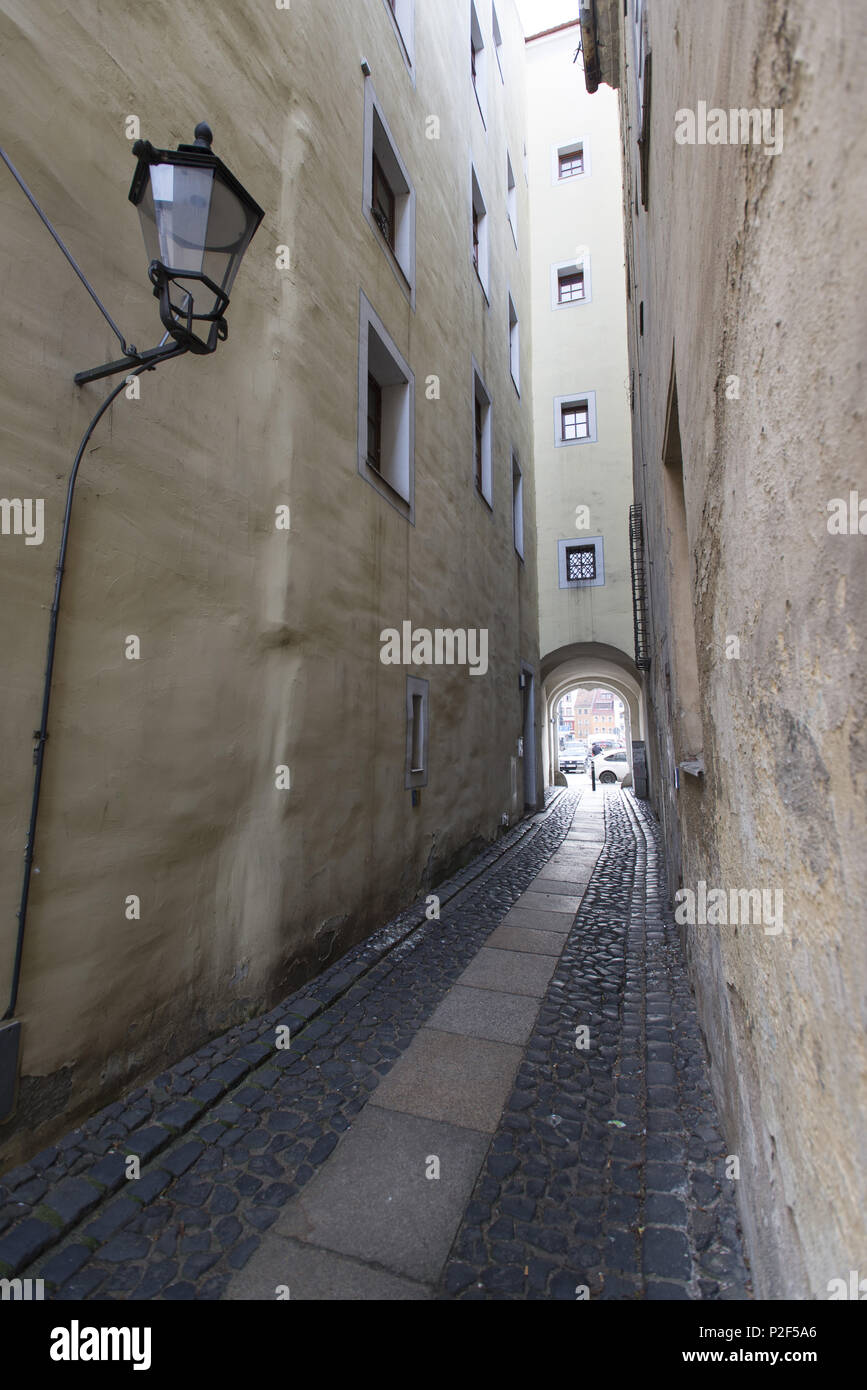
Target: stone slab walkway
<point x="433" y="1131"/>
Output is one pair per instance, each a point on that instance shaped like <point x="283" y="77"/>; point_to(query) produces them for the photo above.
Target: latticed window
<point x="374" y="423"/>
<point x="580" y="562"/>
<point x="575" y="420"/>
<point x="382" y="203"/>
<point x="570" y="286"/>
<point x="571" y="164"/>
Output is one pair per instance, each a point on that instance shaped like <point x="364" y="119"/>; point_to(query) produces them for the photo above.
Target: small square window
<point x="580" y="562"/>
<point x="575" y="420"/>
<point x="571" y="163"/>
<point x="570" y="286"/>
<point x="570" y="282"/>
<point x="401" y="14"/>
<point x="498" y="39"/>
<point x="518" y="505"/>
<point x="570" y="160"/>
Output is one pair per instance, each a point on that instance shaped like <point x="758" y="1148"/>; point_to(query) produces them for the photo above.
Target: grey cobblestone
<point x="636" y="1209"/>
<point x="565" y="1188"/>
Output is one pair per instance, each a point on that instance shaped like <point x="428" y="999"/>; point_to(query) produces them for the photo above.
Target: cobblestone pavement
<point x="604" y="1169"/>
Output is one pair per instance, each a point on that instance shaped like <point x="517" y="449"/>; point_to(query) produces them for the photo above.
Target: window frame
<point x="565" y="147"/>
<point x="417" y="688"/>
<point x="512" y="198"/>
<point x="481" y="397"/>
<point x="577" y="266"/>
<point x="396" y="413"/>
<point x="402" y="16"/>
<point x="514" y="344"/>
<point x="478" y="63"/>
<point x="381" y="148"/>
<point x="581" y="542"/>
<point x="574" y="398"/>
<point x="518" y="505"/>
<point x="479" y="215"/>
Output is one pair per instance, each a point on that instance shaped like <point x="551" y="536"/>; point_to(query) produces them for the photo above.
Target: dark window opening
<point x="478" y="443"/>
<point x="374" y="423"/>
<point x="382" y="205"/>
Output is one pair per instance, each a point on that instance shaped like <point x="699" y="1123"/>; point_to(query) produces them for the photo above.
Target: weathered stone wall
<point x="746" y="269"/>
<point x="258" y="647"/>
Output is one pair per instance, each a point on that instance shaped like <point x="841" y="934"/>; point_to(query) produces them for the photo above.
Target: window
<point x="382" y="205"/>
<point x="570" y="286"/>
<point x="575" y="419"/>
<point x="389" y="196"/>
<point x="518" y="505"/>
<point x="511" y="199"/>
<point x="374" y="423"/>
<point x="480" y="244"/>
<point x="417" y="741"/>
<point x="482" y="464"/>
<point x="571" y="160"/>
<point x="498" y="40"/>
<point x="514" y="345"/>
<point x="478" y="64"/>
<point x="570" y="283"/>
<point x="386" y="414"/>
<point x="580" y="562"/>
<point x="401" y="14"/>
<point x="571" y="163"/>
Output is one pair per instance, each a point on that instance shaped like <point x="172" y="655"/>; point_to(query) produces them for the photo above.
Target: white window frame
<point x="378" y="138"/>
<point x="572" y="399"/>
<point x="518" y="504"/>
<point x="571" y="267"/>
<point x="477" y="201"/>
<point x="569" y="146"/>
<point x="403" y="22"/>
<point x="396" y="481"/>
<point x="511" y="199"/>
<point x="564" y="545"/>
<point x="480" y="86"/>
<point x="498" y="39"/>
<point x="420" y="688"/>
<point x="481" y="392"/>
<point x="514" y="344"/>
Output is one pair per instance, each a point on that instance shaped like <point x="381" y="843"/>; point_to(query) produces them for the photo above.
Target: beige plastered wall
<point x="259" y="648"/>
<point x="719" y="261"/>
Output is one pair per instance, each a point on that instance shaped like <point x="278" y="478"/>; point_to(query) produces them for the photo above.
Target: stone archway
<point x="588" y="664"/>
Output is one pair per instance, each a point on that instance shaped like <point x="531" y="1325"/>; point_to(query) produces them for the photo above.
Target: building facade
<point x="322" y="537"/>
<point x="753" y="571"/>
<point x="582" y="421"/>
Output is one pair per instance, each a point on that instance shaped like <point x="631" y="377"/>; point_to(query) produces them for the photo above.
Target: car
<point x="574" y="758"/>
<point x="611" y="766"/>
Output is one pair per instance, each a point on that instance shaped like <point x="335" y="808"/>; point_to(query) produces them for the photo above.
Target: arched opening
<point x="587" y="667"/>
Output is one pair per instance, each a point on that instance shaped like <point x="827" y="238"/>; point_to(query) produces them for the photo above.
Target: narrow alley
<point x="507" y="1101"/>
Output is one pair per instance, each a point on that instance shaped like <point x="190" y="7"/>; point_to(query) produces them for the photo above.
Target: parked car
<point x="611" y="767"/>
<point x="574" y="758"/>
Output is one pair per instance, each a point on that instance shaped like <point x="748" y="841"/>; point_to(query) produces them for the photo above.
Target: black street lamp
<point x="197" y="222"/>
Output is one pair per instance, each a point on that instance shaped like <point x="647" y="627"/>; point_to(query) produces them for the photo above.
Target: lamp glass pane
<point x="182" y="204"/>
